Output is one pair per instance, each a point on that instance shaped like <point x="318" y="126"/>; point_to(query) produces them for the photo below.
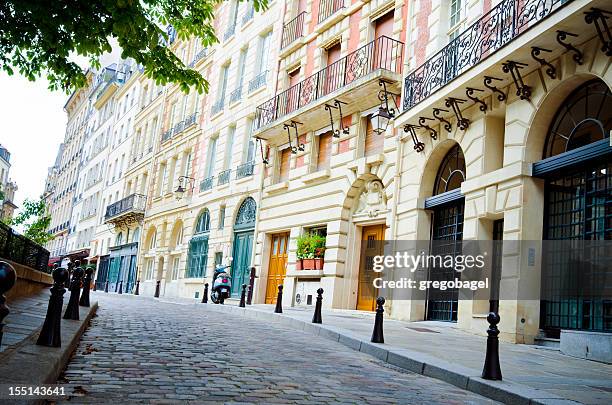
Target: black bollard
<point x="279" y="301"/>
<point x="72" y="309"/>
<point x="70" y="267"/>
<point x="249" y="294"/>
<point x="157" y="289"/>
<point x="50" y="334"/>
<point x="8" y="276"/>
<point x="137" y="292"/>
<point x="95" y="287"/>
<point x="377" y="334"/>
<point x="205" y="295"/>
<point x="491" y="369"/>
<point x="316" y="318"/>
<point x="252" y="278"/>
<point x="84" y="301"/>
<point x="106" y="286"/>
<point x="242" y="296"/>
<point x="121" y="287"/>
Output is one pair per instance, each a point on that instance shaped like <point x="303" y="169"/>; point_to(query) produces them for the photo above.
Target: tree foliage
<point x="40" y="37"/>
<point x="34" y="219"/>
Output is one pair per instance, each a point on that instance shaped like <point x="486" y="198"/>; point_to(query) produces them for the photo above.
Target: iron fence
<point x="217" y="106"/>
<point x="492" y="31"/>
<point x="293" y="30"/>
<point x="133" y="202"/>
<point x="224" y="177"/>
<point x="236" y="94"/>
<point x="382" y="53"/>
<point x="207" y="183"/>
<point x="19" y="249"/>
<point x="329" y="7"/>
<point x="245" y="169"/>
<point x="258" y="81"/>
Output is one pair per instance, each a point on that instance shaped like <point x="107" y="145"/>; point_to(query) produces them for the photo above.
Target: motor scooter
<point x="222" y="285"/>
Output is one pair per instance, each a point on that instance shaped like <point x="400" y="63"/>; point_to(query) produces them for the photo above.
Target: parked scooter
<point x="222" y="285"/>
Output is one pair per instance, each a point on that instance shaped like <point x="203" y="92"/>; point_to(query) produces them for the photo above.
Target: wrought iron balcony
<point x="236" y="94"/>
<point x="248" y="14"/>
<point x="245" y="170"/>
<point x="180" y="127"/>
<point x="258" y="81"/>
<point x="383" y="53"/>
<point x="207" y="183"/>
<point x="217" y="106"/>
<point x="293" y="30"/>
<point x="329" y="7"/>
<point x="199" y="56"/>
<point x="229" y="32"/>
<point x="495" y="29"/>
<point x="127" y="210"/>
<point x="224" y="177"/>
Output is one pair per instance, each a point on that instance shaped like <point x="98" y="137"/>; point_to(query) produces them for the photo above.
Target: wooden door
<point x="366" y="293"/>
<point x="243" y="246"/>
<point x="277" y="267"/>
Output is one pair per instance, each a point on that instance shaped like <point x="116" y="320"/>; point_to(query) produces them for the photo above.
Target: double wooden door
<point x="371" y="245"/>
<point x="277" y="267"/>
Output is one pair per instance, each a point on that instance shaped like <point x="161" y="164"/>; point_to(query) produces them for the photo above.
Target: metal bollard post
<point x="70" y="268"/>
<point x="106" y="286"/>
<point x="205" y="295"/>
<point x="8" y="276"/>
<point x="243" y="296"/>
<point x="157" y="289"/>
<point x="491" y="369"/>
<point x="316" y="318"/>
<point x="72" y="309"/>
<point x="377" y="334"/>
<point x="249" y="294"/>
<point x="84" y="301"/>
<point x="252" y="278"/>
<point x="121" y="287"/>
<point x="279" y="301"/>
<point x="137" y="292"/>
<point x="50" y="334"/>
<point x="95" y="287"/>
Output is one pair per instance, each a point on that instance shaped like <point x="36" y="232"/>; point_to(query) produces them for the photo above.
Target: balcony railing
<point x="207" y="183"/>
<point x="134" y="203"/>
<point x="236" y="94"/>
<point x="258" y="81"/>
<point x="179" y="127"/>
<point x="224" y="177"/>
<point x="248" y="14"/>
<point x="229" y="32"/>
<point x="245" y="169"/>
<point x="329" y="7"/>
<point x="199" y="56"/>
<point x="382" y="53"/>
<point x="217" y="106"/>
<point x="293" y="30"/>
<point x="492" y="31"/>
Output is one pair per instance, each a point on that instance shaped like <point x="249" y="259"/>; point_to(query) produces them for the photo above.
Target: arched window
<point x="136" y="235"/>
<point x="119" y="239"/>
<point x="203" y="224"/>
<point x="197" y="258"/>
<point x="451" y="172"/>
<point x="246" y="214"/>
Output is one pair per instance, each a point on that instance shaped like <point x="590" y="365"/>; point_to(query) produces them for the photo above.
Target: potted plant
<point x="318" y="243"/>
<point x="310" y="252"/>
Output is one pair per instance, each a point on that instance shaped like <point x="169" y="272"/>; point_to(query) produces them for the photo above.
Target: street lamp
<point x="380" y="120"/>
<point x="180" y="190"/>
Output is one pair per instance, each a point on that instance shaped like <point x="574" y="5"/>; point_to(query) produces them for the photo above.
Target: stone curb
<point x="462" y="377"/>
<point x="31" y="364"/>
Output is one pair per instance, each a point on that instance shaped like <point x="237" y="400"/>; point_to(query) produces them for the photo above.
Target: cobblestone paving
<point x="143" y="351"/>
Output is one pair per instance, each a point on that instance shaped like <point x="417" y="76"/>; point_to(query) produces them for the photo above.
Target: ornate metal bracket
<point x="383" y="96"/>
<point x="598" y="18"/>
<point x="298" y="146"/>
<point x="432" y="132"/>
<point x="418" y="145"/>
<point x="264" y="157"/>
<point x="447" y="124"/>
<point x="512" y="67"/>
<point x="469" y="92"/>
<point x="551" y="71"/>
<point x="337" y="105"/>
<point x="488" y="80"/>
<point x="562" y="36"/>
<point x="451" y="102"/>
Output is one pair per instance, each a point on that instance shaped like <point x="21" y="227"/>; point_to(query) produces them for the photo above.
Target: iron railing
<point x="245" y="169"/>
<point x="329" y="7"/>
<point x="236" y="94"/>
<point x="217" y="106"/>
<point x="492" y="31"/>
<point x="258" y="81"/>
<point x="231" y="30"/>
<point x="293" y="30"/>
<point x="382" y="53"/>
<point x="199" y="56"/>
<point x="131" y="203"/>
<point x="19" y="249"/>
<point x="248" y="14"/>
<point x="207" y="183"/>
<point x="224" y="177"/>
<point x="179" y="127"/>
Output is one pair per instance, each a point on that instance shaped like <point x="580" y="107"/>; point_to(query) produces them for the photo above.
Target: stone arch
<point x="176" y="235"/>
<point x="151" y="234"/>
<point x="431" y="166"/>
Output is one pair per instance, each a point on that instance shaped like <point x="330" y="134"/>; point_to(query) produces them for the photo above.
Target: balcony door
<point x="334" y="71"/>
<point x="371" y="245"/>
<point x="383" y="48"/>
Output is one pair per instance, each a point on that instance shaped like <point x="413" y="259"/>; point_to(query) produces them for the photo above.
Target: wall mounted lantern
<point x="180" y="190"/>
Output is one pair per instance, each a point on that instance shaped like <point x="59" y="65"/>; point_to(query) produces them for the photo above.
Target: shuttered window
<point x="325" y="143"/>
<point x="373" y="141"/>
<point x="284" y="164"/>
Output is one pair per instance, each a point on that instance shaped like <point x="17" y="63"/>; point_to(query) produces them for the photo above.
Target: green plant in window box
<point x="310" y="252"/>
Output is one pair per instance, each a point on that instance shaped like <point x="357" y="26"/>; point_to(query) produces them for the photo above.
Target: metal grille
<point x="578" y="208"/>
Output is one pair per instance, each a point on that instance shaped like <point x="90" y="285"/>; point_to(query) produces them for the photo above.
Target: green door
<point x="243" y="246"/>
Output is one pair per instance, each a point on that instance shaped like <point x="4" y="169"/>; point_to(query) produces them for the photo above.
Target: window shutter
<point x="325" y="143"/>
<point x="373" y="141"/>
<point x="284" y="164"/>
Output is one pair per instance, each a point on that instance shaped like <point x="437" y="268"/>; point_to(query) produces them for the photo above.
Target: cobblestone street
<point x="143" y="351"/>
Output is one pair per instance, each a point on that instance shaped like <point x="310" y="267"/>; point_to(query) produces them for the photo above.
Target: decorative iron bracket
<point x="418" y="145"/>
<point x="432" y="132"/>
<point x="287" y="126"/>
<point x="512" y="67"/>
<point x="598" y="18"/>
<point x="298" y="146"/>
<point x="337" y="105"/>
<point x="562" y="36"/>
<point x="451" y="102"/>
<point x="550" y="70"/>
<point x="447" y="124"/>
<point x="488" y="80"/>
<point x="383" y="96"/>
<point x="264" y="157"/>
<point x="469" y="92"/>
<point x="345" y="130"/>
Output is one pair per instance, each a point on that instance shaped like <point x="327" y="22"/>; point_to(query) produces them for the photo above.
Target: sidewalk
<point x="532" y="375"/>
<point x="26" y="316"/>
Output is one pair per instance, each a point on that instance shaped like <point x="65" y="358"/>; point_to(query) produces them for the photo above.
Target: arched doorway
<point x="447" y="205"/>
<point x="577" y="170"/>
<point x="244" y="226"/>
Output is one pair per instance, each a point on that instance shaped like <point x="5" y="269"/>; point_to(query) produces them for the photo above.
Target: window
<point x="241" y="66"/>
<point x="149" y="272"/>
<point x="285" y="158"/>
<point x="212" y="151"/>
<point x="203" y="224"/>
<point x="324" y="155"/>
<point x="317" y="230"/>
<point x="454" y="18"/>
<point x="374" y="142"/>
<point x="229" y="146"/>
<point x="223" y="76"/>
<point x="197" y="257"/>
<point x="222" y="217"/>
<point x="263" y="54"/>
<point x="175" y="267"/>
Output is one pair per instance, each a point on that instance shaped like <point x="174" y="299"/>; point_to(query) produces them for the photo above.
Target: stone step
<point x="548" y="342"/>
